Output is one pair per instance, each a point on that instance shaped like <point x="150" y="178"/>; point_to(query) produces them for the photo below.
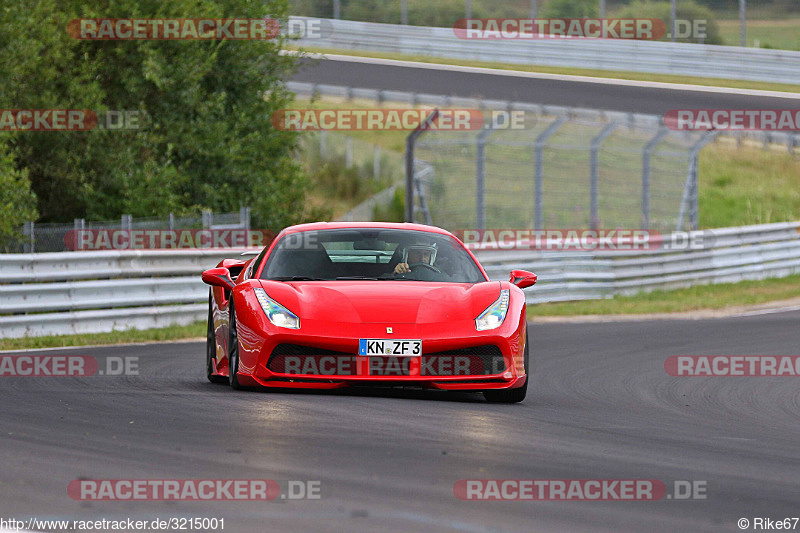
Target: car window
<point x="372" y="253"/>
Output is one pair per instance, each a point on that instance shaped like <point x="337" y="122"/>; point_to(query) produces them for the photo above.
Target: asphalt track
<point x="599" y="407"/>
<point x="432" y="79"/>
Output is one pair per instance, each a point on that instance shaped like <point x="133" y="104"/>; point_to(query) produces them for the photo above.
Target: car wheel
<point x="211" y="347"/>
<point x="233" y="351"/>
<point x="513" y="395"/>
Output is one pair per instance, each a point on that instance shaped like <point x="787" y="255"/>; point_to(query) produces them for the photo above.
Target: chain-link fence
<point x="559" y="171"/>
<point x="567" y="168"/>
<point x="52" y="237"/>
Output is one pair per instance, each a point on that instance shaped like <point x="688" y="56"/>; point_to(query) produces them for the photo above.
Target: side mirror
<point x="218" y="277"/>
<point x="522" y="278"/>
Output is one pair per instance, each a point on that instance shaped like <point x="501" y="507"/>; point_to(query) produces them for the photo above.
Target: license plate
<point x="401" y="347"/>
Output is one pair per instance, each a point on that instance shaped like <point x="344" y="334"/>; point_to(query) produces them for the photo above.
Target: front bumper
<point x="482" y="361"/>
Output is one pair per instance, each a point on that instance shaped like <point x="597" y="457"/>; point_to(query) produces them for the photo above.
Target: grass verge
<point x="781" y="34"/>
<point x="747" y="185"/>
<point x="570" y="71"/>
<point x="171" y="333"/>
<point x="701" y="297"/>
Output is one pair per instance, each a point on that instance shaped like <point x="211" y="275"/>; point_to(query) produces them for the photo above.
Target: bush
<point x="569" y="9"/>
<point x="686" y="10"/>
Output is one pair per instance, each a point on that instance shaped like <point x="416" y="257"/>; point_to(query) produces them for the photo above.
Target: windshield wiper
<point x="295" y="278"/>
<point x="356" y="278"/>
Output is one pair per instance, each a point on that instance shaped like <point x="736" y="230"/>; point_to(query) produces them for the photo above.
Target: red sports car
<point x="330" y="305"/>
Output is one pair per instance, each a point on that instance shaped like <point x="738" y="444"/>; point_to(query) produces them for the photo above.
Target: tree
<point x="17" y="201"/>
<point x="206" y="142"/>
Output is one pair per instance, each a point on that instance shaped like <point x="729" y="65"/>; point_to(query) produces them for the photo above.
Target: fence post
<point x="126" y="223"/>
<point x="410" y="141"/>
<point x="28" y="230"/>
<point x="480" y="177"/>
<point x="538" y="170"/>
<point x="691" y="188"/>
<point x="244" y="218"/>
<point x="376" y="161"/>
<point x="594" y="177"/>
<point x="171" y="222"/>
<point x="208" y="219"/>
<point x="646" y="153"/>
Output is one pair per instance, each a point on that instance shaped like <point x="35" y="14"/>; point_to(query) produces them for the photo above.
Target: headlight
<point x="494" y="315"/>
<point x="277" y="314"/>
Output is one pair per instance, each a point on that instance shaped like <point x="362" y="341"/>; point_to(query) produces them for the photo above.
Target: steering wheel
<point x="426" y="265"/>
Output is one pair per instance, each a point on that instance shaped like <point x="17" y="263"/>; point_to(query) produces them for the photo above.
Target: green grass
<point x="747" y="186"/>
<point x="171" y="333"/>
<point x="680" y="300"/>
<point x="596" y="73"/>
<point x="781" y="34"/>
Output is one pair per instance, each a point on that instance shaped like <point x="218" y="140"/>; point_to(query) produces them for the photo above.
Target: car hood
<point x="389" y="301"/>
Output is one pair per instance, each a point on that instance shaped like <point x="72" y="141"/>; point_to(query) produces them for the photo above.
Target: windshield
<point x="370" y="253"/>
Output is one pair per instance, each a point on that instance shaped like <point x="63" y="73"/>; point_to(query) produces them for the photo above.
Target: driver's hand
<point x="402" y="268"/>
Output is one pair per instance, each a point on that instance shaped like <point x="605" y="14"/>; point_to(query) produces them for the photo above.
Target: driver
<point x="416" y="254"/>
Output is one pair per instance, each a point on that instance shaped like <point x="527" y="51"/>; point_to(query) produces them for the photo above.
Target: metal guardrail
<point x="736" y="254"/>
<point x="711" y="61"/>
<point x="87" y="292"/>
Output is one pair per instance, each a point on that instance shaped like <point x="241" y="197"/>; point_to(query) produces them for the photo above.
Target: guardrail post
<point x="480" y="177"/>
<point x="410" y="142"/>
<point x="538" y="170"/>
<point x="594" y="175"/>
<point x="648" y="150"/>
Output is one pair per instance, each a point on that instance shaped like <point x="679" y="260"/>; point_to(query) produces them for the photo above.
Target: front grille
<point x="471" y="361"/>
<point x="277" y="359"/>
<point x="490" y="356"/>
<point x="297" y="349"/>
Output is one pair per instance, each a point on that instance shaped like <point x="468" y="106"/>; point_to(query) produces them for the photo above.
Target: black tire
<point x="233" y="351"/>
<point x="211" y="347"/>
<point x="513" y="395"/>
